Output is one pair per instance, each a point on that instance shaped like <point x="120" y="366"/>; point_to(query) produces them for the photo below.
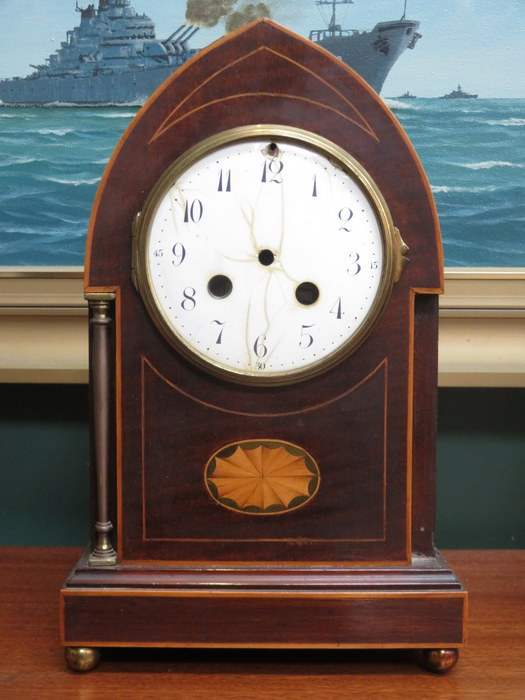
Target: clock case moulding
<point x="356" y="565"/>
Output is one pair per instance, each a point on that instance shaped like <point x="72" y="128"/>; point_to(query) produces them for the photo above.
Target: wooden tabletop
<point x="32" y="662"/>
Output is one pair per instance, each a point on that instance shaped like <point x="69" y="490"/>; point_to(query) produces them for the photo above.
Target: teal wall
<point x="44" y="467"/>
<point x="481" y="469"/>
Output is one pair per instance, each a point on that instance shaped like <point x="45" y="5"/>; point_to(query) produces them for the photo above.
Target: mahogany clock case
<point x="186" y="570"/>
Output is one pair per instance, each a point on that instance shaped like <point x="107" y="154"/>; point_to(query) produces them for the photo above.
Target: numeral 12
<point x="272" y="171"/>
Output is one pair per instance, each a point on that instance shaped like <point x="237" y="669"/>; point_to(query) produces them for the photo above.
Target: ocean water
<point x="473" y="151"/>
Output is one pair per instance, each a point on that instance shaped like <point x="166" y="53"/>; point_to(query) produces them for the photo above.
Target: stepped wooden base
<point x="418" y="606"/>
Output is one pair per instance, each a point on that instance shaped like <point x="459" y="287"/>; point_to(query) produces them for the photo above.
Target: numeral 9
<point x="179" y="253"/>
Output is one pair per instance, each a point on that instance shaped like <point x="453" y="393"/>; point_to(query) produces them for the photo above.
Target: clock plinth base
<point x="422" y="605"/>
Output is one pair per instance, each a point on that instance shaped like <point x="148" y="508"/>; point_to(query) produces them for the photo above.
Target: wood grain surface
<point x="32" y="663"/>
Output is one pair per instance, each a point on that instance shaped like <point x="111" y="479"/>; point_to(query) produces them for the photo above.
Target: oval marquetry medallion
<point x="262" y="477"/>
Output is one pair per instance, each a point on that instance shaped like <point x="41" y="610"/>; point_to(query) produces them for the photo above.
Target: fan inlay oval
<point x="262" y="477"/>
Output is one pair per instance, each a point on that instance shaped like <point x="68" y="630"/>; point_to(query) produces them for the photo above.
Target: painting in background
<point x="450" y="71"/>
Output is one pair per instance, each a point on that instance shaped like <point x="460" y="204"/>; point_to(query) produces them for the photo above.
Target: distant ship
<point x="114" y="57"/>
<point x="458" y="94"/>
<point x="406" y="96"/>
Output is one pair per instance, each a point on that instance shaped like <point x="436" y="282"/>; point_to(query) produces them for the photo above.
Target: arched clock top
<point x="262" y="74"/>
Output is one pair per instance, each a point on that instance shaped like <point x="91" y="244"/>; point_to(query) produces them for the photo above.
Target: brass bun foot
<point x="82" y="659"/>
<point x="440" y="660"/>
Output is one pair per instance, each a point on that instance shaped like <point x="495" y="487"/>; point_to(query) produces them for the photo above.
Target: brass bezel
<point x="393" y="250"/>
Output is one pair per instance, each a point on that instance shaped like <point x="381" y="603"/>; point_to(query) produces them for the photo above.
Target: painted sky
<point x="478" y="43"/>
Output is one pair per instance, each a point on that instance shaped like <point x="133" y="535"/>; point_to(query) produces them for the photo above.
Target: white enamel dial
<point x="265" y="257"/>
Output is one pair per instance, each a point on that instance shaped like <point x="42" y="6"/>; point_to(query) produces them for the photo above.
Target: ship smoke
<point x="247" y="14"/>
<point x="208" y="13"/>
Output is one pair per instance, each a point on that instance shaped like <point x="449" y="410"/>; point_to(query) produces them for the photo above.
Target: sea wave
<point x="74" y="183"/>
<point x="116" y="115"/>
<point x="70" y="106"/>
<point x="23" y="229"/>
<point x="53" y="132"/>
<point x="8" y="161"/>
<point x="513" y="121"/>
<point x="397" y="104"/>
<point x="489" y="164"/>
<point x="456" y="188"/>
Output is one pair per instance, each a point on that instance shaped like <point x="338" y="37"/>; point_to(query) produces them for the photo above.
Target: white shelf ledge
<point x="44" y="334"/>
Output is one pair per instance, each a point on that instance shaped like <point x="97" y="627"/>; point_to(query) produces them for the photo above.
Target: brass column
<point x="103" y="553"/>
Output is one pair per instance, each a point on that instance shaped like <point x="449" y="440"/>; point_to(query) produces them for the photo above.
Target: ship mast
<point x="332" y="26"/>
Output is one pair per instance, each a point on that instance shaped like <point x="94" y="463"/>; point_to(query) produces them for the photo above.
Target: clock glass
<point x="265" y="254"/>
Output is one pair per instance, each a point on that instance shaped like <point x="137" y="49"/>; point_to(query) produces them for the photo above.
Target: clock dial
<point x="265" y="256"/>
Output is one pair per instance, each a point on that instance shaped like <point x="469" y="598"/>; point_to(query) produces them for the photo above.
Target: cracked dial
<point x="265" y="254"/>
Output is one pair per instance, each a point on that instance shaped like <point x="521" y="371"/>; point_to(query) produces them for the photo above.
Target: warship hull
<point x="131" y="87"/>
<point x="371" y="54"/>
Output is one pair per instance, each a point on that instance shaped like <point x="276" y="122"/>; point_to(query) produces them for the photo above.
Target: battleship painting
<point x="114" y="56"/>
<point x="51" y="160"/>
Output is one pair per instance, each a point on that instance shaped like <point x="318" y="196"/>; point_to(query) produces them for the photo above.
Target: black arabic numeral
<point x="272" y="171"/>
<point x="259" y="347"/>
<point x="193" y="212"/>
<point x="179" y="253"/>
<point x="189" y="302"/>
<point x="355" y="267"/>
<point x="337" y="309"/>
<point x="219" y="337"/>
<point x="307" y="339"/>
<point x="345" y="214"/>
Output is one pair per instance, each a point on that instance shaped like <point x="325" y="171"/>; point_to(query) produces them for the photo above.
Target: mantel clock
<point x="262" y="272"/>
